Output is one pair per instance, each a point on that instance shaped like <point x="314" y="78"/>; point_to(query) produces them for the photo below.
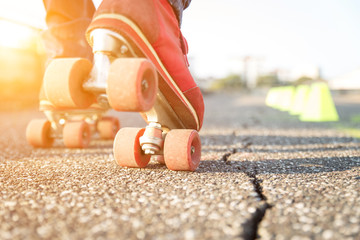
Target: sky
<point x="284" y="34"/>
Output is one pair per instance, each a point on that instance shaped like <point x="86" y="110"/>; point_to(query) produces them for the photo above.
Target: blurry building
<point x="297" y="72"/>
<point x="253" y="68"/>
<point x="309" y="71"/>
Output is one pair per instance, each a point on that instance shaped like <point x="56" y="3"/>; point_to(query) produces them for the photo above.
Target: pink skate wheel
<point x="108" y="127"/>
<point x="182" y="150"/>
<point x="76" y="134"/>
<point x="63" y="80"/>
<point x="38" y="133"/>
<point x="127" y="149"/>
<point x="132" y="85"/>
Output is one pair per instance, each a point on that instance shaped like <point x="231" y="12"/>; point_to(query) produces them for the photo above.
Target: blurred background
<point x="22" y="55"/>
<point x="234" y="44"/>
<point x="263" y="42"/>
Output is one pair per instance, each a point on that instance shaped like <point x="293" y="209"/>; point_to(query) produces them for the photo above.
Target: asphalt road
<point x="263" y="174"/>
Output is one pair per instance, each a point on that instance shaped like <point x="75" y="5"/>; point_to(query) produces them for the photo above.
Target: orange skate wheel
<point x="63" y="80"/>
<point x="108" y="127"/>
<point x="38" y="133"/>
<point x="132" y="85"/>
<point x="127" y="149"/>
<point x="76" y="134"/>
<point x="182" y="150"/>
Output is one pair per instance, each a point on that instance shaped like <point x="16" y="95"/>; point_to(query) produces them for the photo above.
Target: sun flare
<point x="15" y="35"/>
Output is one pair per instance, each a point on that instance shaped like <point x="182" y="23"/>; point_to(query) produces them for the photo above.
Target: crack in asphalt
<point x="252" y="225"/>
<point x="255" y="181"/>
<point x="226" y="156"/>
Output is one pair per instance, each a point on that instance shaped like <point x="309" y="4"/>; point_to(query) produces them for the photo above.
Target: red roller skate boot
<point x="146" y="33"/>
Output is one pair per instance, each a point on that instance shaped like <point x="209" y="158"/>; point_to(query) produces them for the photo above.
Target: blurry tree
<point x="303" y="80"/>
<point x="232" y="81"/>
<point x="268" y="80"/>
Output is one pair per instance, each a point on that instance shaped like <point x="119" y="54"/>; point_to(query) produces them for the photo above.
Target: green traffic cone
<point x="271" y="97"/>
<point x="278" y="97"/>
<point x="320" y="106"/>
<point x="300" y="99"/>
<point x="287" y="94"/>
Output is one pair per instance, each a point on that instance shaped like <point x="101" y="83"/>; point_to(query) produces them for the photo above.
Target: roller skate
<point x="140" y="66"/>
<point x="65" y="37"/>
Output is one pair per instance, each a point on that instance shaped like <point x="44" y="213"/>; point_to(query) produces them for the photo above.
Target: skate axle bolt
<point x="152" y="141"/>
<point x="103" y="101"/>
<point x="124" y="49"/>
<point x="62" y="121"/>
<point x="192" y="150"/>
<point x="144" y="85"/>
<point x="150" y="149"/>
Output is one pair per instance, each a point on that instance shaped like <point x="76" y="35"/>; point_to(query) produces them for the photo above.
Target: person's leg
<point x="179" y="6"/>
<point x="67" y="21"/>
